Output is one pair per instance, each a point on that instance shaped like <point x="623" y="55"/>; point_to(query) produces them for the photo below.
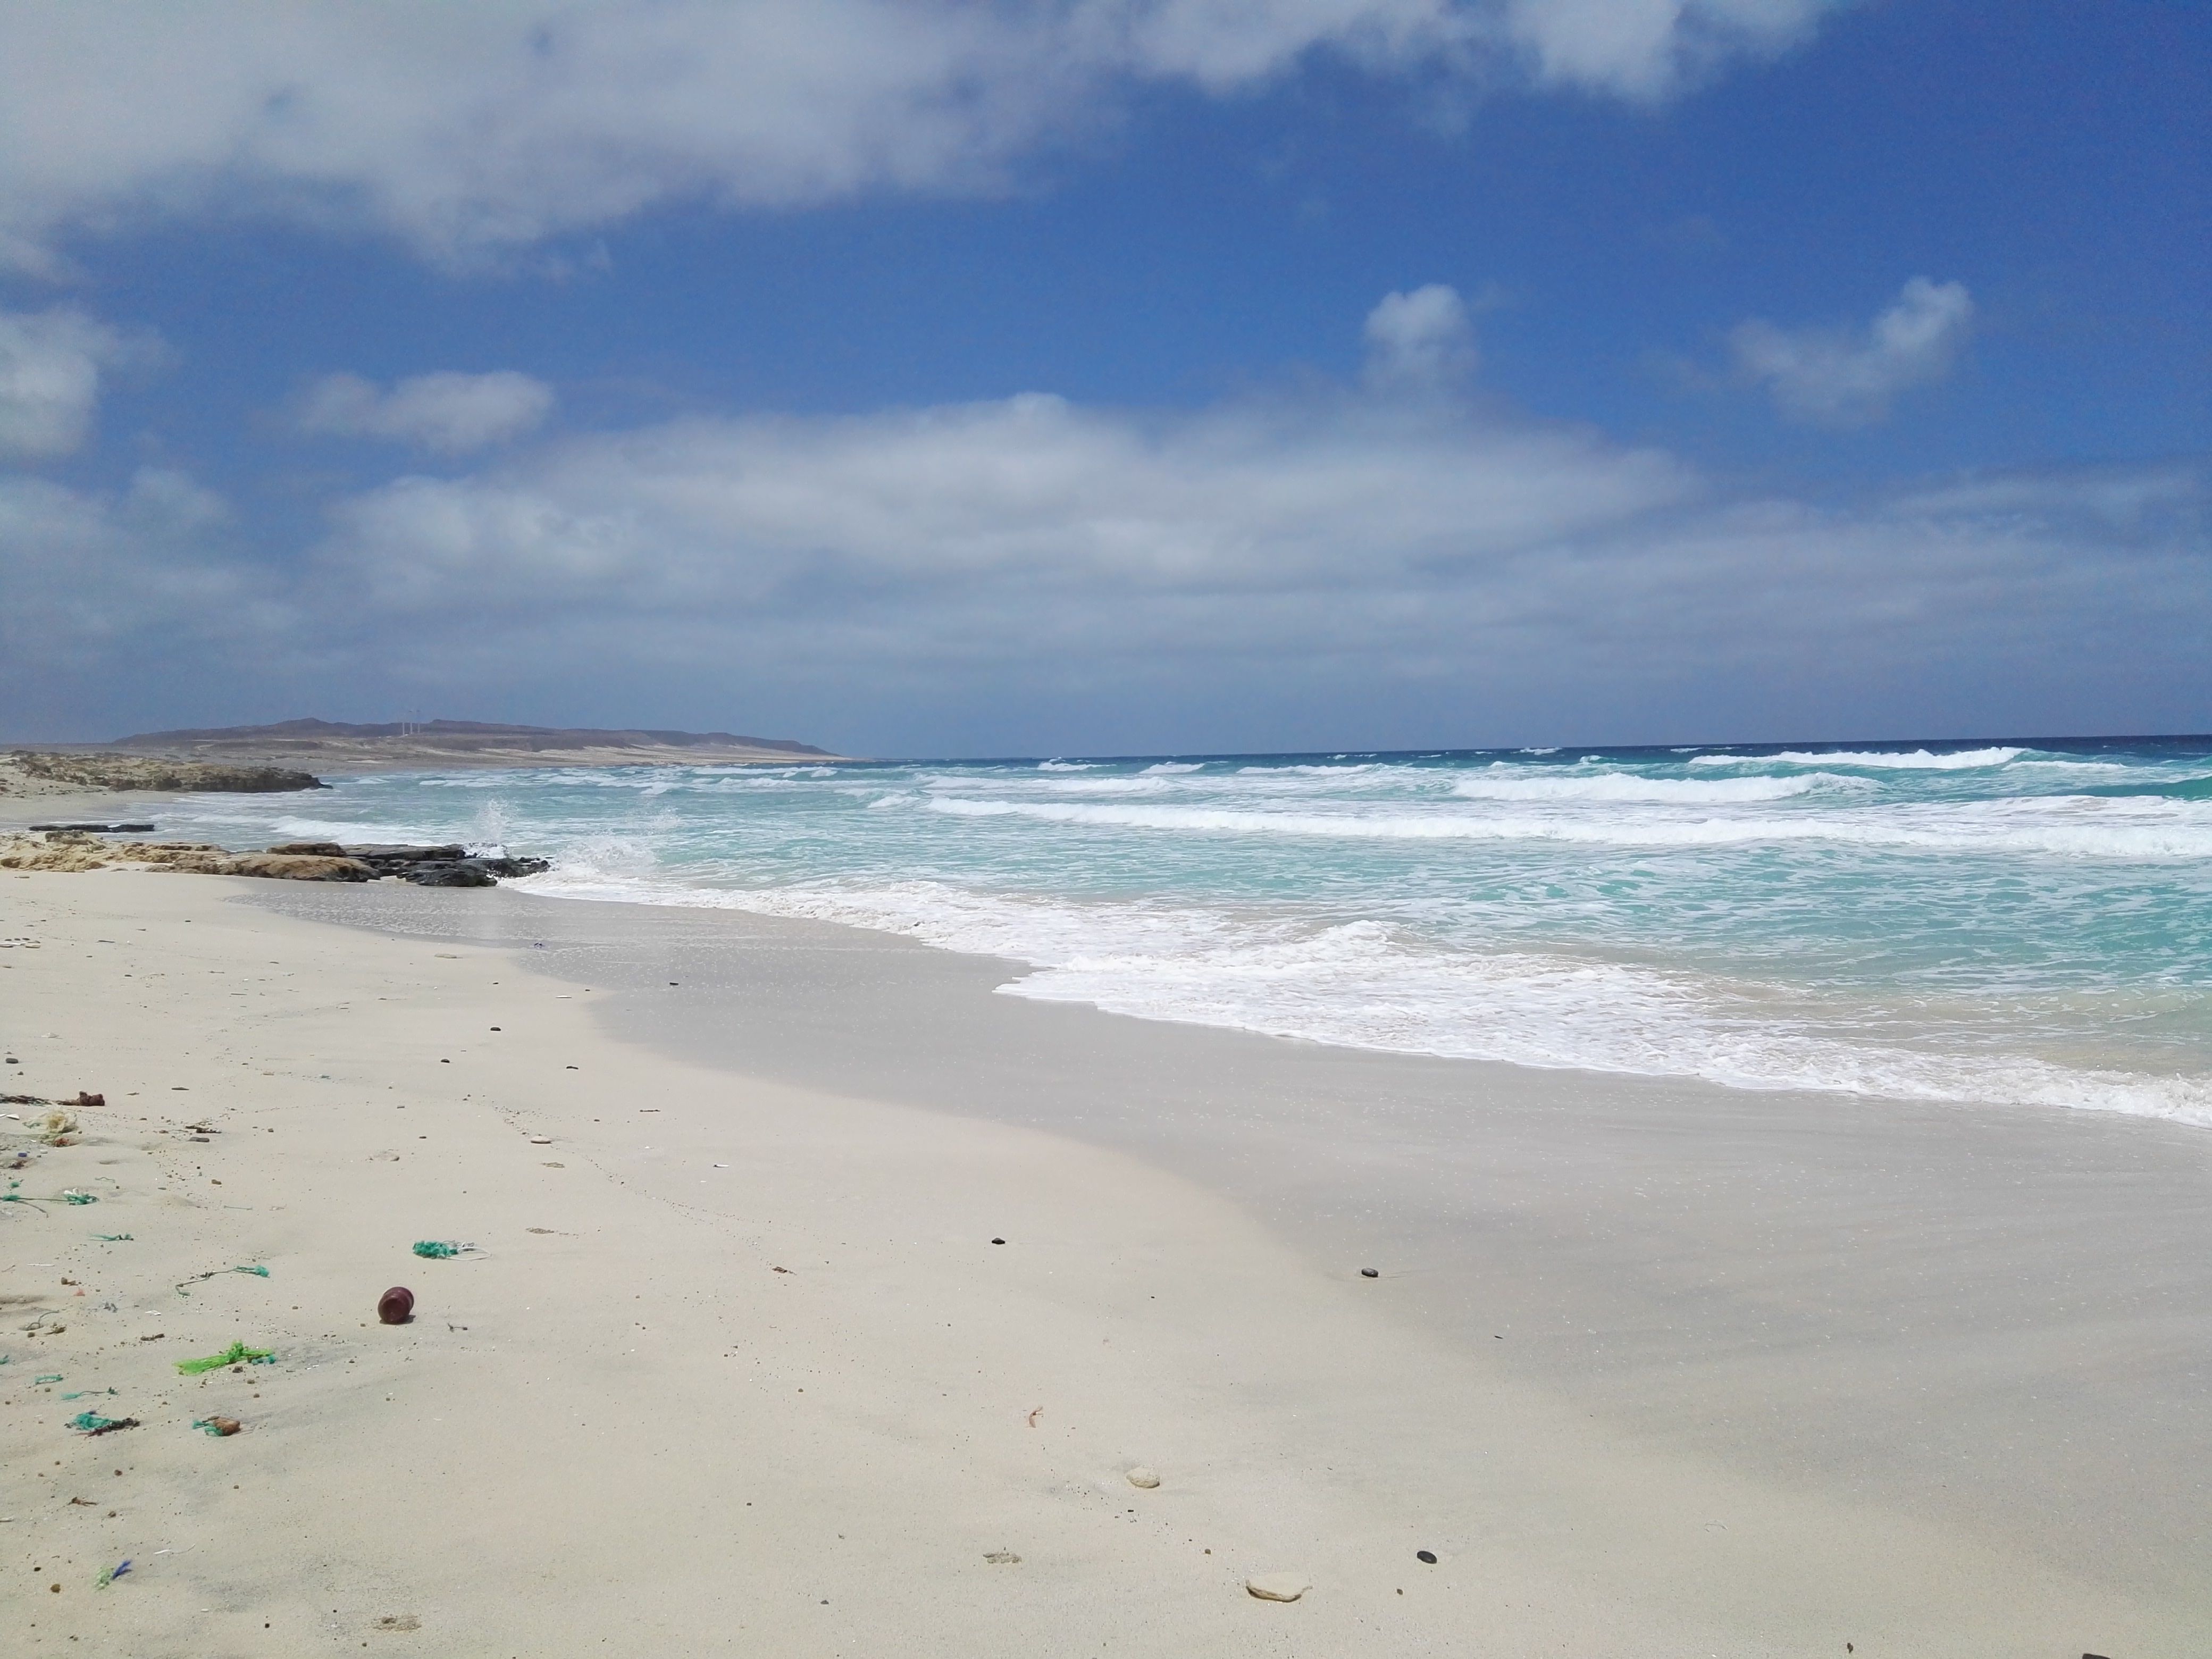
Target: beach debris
<point x="1276" y="1586"/>
<point x="396" y="1306"/>
<point x="112" y="1574"/>
<point x="997" y="1240"/>
<point x="399" y="1621"/>
<point x="1003" y="1558"/>
<point x="1036" y="1414"/>
<point x="217" y="1273"/>
<point x="83" y="1394"/>
<point x="1427" y="1556"/>
<point x="220" y="1427"/>
<point x="113" y="1238"/>
<point x="440" y="1249"/>
<point x="55" y="1126"/>
<point x="1141" y="1476"/>
<point x="236" y="1354"/>
<point x="541" y="1141"/>
<point x="1369" y="1273"/>
<point x="91" y="1423"/>
<point x="53" y="1376"/>
<point x="72" y="1196"/>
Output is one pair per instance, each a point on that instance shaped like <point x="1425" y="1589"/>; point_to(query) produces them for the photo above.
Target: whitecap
<point x="1917" y="760"/>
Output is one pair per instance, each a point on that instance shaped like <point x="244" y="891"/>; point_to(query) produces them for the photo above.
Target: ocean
<point x="2025" y="923"/>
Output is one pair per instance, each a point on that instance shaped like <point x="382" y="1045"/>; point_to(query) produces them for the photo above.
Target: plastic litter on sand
<point x="236" y="1354"/>
<point x="437" y="1249"/>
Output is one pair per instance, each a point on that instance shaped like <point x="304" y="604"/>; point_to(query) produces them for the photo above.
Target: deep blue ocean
<point x="2026" y="922"/>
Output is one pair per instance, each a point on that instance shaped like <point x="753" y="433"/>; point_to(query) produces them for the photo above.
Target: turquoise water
<point x="2021" y="922"/>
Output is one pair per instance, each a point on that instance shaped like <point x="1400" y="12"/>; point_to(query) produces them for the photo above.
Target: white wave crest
<point x="1918" y="760"/>
<point x="1164" y="768"/>
<point x="1628" y="787"/>
<point x="1358" y="984"/>
<point x="2183" y="830"/>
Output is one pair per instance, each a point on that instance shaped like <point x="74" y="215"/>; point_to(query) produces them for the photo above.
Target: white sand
<point x="629" y="1432"/>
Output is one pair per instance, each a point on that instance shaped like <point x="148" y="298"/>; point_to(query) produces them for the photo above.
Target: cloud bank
<point x="1836" y="378"/>
<point x="473" y="131"/>
<point x="1310" y="566"/>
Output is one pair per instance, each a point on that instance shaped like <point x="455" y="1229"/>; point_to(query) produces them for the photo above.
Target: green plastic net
<point x="236" y="1354"/>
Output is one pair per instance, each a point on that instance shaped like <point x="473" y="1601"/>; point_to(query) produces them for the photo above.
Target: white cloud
<point x="50" y="367"/>
<point x="474" y="128"/>
<point x="1838" y="378"/>
<point x="1421" y="338"/>
<point x="1650" y="49"/>
<point x="446" y="412"/>
<point x="1031" y="492"/>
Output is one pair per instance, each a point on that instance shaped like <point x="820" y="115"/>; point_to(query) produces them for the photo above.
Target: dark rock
<point x="96" y="829"/>
<point x="465" y="872"/>
<point x="321" y="849"/>
<point x="1429" y="1556"/>
<point x="1369" y="1273"/>
<point x="379" y="852"/>
<point x="506" y="866"/>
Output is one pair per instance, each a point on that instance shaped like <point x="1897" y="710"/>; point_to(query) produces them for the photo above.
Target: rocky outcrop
<point x="450" y="865"/>
<point x="302" y="861"/>
<point x="150" y="772"/>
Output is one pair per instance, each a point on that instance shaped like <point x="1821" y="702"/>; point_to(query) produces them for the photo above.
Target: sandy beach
<point x="737" y="1362"/>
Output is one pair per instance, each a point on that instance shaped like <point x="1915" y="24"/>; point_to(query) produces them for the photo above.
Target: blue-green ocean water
<point x="2025" y="922"/>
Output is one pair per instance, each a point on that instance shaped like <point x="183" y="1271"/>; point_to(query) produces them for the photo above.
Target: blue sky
<point x="958" y="380"/>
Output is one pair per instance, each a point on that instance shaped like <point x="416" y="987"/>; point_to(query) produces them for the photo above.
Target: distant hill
<point x="339" y="746"/>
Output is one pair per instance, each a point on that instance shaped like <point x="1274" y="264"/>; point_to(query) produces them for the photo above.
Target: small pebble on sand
<point x="1276" y="1586"/>
<point x="1143" y="1477"/>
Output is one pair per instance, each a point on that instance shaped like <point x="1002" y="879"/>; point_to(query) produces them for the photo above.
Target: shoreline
<point x="1195" y="1204"/>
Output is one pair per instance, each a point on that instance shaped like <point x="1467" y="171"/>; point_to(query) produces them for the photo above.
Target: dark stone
<point x="322" y="849"/>
<point x="381" y="853"/>
<point x="96" y="829"/>
<point x="465" y="873"/>
<point x="1429" y="1556"/>
<point x="505" y="866"/>
<point x="1369" y="1273"/>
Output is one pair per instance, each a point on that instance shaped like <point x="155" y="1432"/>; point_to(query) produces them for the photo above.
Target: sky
<point x="1110" y="376"/>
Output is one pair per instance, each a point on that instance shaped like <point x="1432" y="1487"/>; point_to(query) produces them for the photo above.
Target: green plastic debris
<point x="236" y="1354"/>
<point x="112" y="1575"/>
<point x="207" y="1425"/>
<point x="56" y="1377"/>
<point x="434" y="1249"/>
<point x="81" y="1393"/>
<point x="92" y="1422"/>
<point x="114" y="1238"/>
<point x="258" y="1272"/>
<point x="78" y="1198"/>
